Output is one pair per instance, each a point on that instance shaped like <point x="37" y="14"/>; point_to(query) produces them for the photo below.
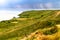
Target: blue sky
<point x="29" y="4"/>
<point x="11" y="8"/>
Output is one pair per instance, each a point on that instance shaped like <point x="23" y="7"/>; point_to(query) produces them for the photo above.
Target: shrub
<point x="51" y="31"/>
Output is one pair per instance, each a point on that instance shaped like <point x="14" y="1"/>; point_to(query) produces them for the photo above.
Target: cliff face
<point x="32" y="25"/>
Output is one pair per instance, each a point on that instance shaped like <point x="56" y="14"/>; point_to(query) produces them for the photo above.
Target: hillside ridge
<point x="24" y="27"/>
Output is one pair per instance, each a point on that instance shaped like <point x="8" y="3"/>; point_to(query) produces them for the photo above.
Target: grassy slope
<point x="34" y="20"/>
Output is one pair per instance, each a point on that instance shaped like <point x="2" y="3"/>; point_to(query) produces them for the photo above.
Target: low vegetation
<point x="32" y="25"/>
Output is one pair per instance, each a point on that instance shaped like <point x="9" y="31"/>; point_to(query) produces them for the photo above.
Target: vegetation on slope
<point x="44" y="21"/>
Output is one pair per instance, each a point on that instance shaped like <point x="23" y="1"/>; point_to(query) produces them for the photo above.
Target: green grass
<point x="35" y="20"/>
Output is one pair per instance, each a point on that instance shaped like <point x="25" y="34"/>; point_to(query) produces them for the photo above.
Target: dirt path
<point x="30" y="36"/>
<point x="58" y="13"/>
<point x="58" y="25"/>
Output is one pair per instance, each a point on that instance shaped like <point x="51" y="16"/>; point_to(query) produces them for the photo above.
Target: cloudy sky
<point x="11" y="8"/>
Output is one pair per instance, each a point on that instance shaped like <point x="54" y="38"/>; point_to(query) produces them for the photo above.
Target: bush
<point x="51" y="31"/>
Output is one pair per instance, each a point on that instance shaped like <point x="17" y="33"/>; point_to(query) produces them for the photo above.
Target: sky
<point x="11" y="8"/>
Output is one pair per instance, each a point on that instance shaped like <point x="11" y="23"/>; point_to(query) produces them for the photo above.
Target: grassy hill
<point x="32" y="25"/>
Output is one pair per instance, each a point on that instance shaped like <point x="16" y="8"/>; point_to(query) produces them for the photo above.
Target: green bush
<point x="51" y="31"/>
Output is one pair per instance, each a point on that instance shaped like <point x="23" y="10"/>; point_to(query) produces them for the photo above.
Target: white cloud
<point x="2" y="1"/>
<point x="6" y="15"/>
<point x="44" y="5"/>
<point x="48" y="5"/>
<point x="18" y="6"/>
<point x="23" y="6"/>
<point x="41" y="6"/>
